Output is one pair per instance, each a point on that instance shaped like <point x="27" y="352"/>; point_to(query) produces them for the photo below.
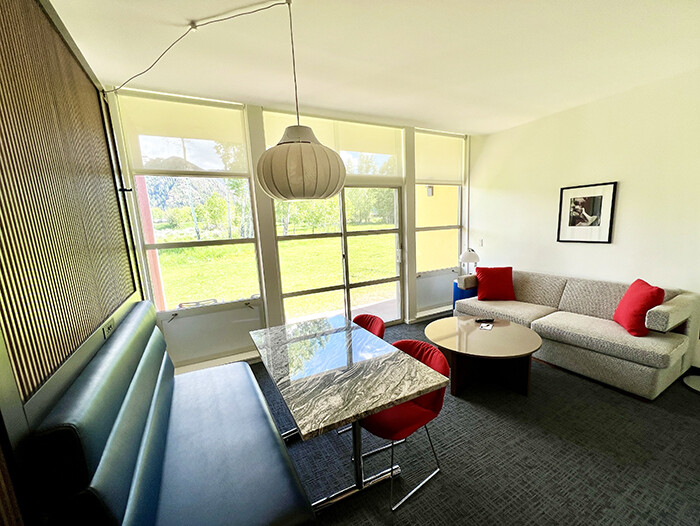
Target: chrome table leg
<point x="361" y="483"/>
<point x="289" y="434"/>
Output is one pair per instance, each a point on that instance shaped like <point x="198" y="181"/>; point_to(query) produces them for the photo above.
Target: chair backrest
<point x="433" y="358"/>
<point x="370" y="322"/>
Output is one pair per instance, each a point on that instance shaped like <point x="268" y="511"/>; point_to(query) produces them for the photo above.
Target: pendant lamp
<point x="300" y="167"/>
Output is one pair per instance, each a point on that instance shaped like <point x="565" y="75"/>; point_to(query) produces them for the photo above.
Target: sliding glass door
<point x="341" y="255"/>
<point x="373" y="248"/>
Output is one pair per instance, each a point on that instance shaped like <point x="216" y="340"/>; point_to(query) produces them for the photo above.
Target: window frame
<point x="441" y="228"/>
<point x="135" y="171"/>
<point x="343" y="235"/>
<point x="448" y="181"/>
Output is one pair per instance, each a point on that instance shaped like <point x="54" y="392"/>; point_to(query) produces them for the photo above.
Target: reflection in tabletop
<point x="331" y="372"/>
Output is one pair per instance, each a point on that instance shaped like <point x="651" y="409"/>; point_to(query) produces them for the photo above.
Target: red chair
<point x="370" y="322"/>
<point x="401" y="421"/>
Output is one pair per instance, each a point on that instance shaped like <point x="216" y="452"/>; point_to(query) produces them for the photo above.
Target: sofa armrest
<point x="468" y="281"/>
<point x="672" y="313"/>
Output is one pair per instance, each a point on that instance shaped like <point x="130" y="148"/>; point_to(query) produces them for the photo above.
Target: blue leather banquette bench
<point x="129" y="443"/>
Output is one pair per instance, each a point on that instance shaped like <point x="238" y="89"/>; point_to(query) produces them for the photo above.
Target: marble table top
<point x="332" y="372"/>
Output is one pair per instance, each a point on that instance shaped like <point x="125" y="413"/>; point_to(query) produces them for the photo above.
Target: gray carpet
<point x="573" y="452"/>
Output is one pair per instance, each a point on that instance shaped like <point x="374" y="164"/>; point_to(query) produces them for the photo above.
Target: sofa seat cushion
<point x="225" y="463"/>
<point x="657" y="350"/>
<point x="515" y="311"/>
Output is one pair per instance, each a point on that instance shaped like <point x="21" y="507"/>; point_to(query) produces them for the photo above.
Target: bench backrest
<point x="97" y="457"/>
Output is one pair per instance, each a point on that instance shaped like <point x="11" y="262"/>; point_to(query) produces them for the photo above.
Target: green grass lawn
<point x="225" y="273"/>
<point x="228" y="273"/>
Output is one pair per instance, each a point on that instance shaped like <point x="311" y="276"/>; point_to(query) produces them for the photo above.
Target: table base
<point x="290" y="434"/>
<point x="361" y="482"/>
<point x="466" y="370"/>
<point x="352" y="490"/>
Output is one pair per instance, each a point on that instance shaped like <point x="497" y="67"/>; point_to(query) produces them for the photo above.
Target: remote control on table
<point x="484" y="320"/>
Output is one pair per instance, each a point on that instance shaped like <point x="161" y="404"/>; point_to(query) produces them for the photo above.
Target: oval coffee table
<point x="502" y="354"/>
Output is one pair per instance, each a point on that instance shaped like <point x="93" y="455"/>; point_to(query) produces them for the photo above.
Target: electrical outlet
<point x="108" y="328"/>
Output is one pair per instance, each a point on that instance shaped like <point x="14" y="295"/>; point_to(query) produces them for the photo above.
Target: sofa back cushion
<point x="592" y="297"/>
<point x="542" y="289"/>
<point x="597" y="298"/>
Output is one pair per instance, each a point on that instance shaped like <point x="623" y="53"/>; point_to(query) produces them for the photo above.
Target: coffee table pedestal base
<point x="465" y="370"/>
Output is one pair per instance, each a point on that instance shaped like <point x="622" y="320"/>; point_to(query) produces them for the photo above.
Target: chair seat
<point x="398" y="422"/>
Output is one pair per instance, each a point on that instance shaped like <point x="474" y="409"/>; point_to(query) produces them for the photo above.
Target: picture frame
<point x="586" y="213"/>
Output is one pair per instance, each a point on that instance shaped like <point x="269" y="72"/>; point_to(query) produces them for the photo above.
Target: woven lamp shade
<point x="300" y="167"/>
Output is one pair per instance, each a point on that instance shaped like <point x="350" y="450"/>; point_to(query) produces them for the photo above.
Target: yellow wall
<point x="647" y="139"/>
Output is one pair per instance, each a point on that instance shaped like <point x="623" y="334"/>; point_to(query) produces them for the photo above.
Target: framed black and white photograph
<point x="586" y="213"/>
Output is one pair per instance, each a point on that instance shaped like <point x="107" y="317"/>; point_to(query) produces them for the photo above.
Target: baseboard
<point x="430" y="314"/>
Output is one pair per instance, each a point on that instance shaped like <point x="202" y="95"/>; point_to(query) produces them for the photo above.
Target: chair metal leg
<point x="419" y="486"/>
<point x="431" y="446"/>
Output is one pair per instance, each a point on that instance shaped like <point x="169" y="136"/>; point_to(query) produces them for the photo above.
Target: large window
<point x="343" y="255"/>
<point x="190" y="168"/>
<point x="437" y="227"/>
<point x="439" y="175"/>
<point x="438" y="198"/>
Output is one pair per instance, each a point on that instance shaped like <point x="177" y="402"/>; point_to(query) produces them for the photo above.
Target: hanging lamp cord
<point x="194" y="25"/>
<point x="294" y="61"/>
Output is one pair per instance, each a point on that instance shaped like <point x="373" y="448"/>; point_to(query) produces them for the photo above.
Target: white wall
<point x="647" y="139"/>
<point x="214" y="331"/>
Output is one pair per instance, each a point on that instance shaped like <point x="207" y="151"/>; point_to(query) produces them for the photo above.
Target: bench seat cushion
<point x="515" y="311"/>
<point x="657" y="350"/>
<point x="225" y="462"/>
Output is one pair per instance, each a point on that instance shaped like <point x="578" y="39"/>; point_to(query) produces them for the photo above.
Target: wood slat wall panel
<point x="10" y="513"/>
<point x="63" y="252"/>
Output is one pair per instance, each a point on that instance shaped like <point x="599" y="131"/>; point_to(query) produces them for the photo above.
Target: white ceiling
<point x="468" y="66"/>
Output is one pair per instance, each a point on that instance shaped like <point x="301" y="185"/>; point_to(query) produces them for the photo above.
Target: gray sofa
<point x="574" y="317"/>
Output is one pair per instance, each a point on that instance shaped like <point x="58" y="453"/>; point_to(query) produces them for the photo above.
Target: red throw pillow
<point x="632" y="310"/>
<point x="495" y="283"/>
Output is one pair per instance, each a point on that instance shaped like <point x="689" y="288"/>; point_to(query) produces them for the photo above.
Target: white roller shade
<point x="183" y="136"/>
<point x="366" y="149"/>
<point x="439" y="158"/>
